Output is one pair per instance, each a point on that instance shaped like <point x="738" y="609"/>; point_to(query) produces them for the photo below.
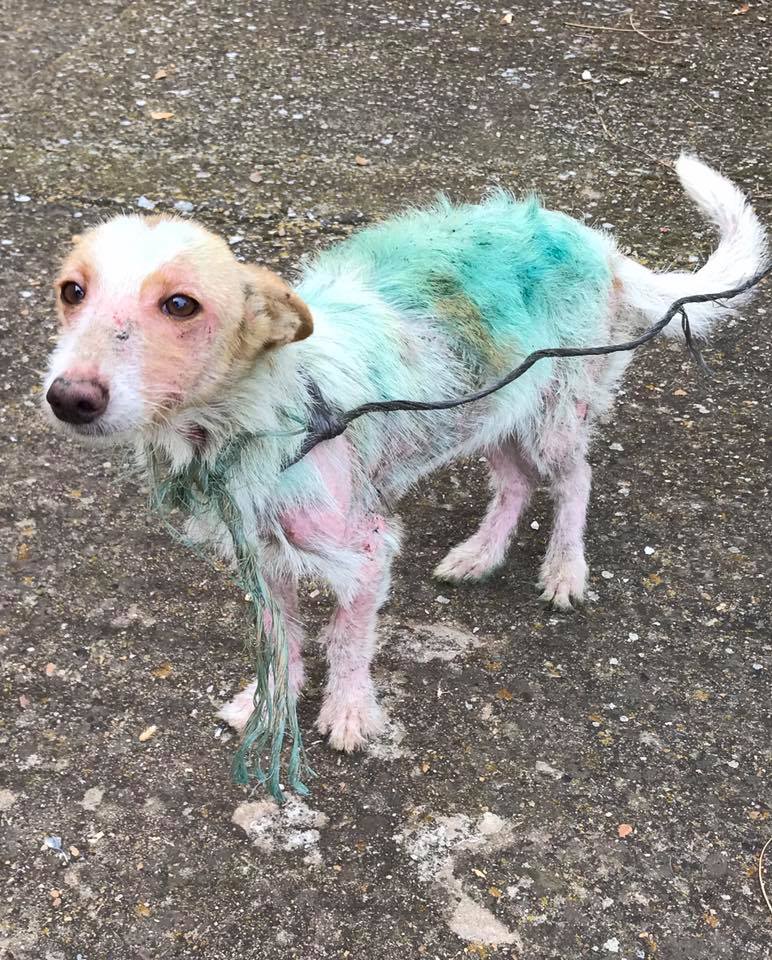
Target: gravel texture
<point x="550" y="787"/>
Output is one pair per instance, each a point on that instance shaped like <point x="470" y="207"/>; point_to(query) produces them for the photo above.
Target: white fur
<point x="741" y="253"/>
<point x="128" y="252"/>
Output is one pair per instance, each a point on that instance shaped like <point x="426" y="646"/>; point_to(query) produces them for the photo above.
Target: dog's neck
<point x="268" y="407"/>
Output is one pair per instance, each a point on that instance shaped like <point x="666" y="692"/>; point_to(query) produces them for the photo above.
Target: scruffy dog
<point x="171" y="344"/>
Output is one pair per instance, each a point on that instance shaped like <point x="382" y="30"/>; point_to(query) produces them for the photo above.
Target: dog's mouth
<point x="97" y="430"/>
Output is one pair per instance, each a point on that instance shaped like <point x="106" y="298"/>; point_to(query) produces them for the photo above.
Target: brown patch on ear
<point x="275" y="312"/>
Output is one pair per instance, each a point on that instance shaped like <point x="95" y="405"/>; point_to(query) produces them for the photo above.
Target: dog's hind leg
<point x="238" y="710"/>
<point x="350" y="712"/>
<point x="486" y="549"/>
<point x="563" y="573"/>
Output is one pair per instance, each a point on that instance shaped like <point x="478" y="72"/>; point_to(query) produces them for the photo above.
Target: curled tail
<point x="742" y="252"/>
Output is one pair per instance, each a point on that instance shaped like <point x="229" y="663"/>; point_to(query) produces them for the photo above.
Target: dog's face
<point x="157" y="315"/>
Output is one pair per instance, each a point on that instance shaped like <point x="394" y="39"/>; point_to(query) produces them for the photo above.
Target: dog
<point x="171" y="345"/>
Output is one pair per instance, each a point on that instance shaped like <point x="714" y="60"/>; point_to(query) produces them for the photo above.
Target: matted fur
<point x="429" y="305"/>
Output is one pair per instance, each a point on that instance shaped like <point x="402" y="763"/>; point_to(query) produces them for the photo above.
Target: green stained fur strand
<point x="206" y="486"/>
<point x="432" y="304"/>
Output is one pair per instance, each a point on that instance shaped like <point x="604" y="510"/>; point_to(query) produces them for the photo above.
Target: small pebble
<point x="147" y="733"/>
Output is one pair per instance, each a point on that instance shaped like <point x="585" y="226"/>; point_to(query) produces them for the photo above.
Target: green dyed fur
<point x="430" y="305"/>
<point x="524" y="268"/>
<point x="442" y="301"/>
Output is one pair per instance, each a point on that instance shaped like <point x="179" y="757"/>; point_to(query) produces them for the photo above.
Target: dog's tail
<point x="741" y="253"/>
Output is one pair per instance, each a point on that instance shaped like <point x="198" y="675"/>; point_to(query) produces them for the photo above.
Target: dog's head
<point x="156" y="315"/>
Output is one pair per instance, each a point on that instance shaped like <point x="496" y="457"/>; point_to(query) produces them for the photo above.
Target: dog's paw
<point x="237" y="712"/>
<point x="350" y="724"/>
<point x="562" y="584"/>
<point x="467" y="561"/>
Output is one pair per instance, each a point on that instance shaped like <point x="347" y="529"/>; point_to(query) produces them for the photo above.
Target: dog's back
<point x="499" y="278"/>
<point x="440" y="301"/>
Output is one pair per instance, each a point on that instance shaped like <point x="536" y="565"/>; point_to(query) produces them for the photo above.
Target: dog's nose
<point x="77" y="401"/>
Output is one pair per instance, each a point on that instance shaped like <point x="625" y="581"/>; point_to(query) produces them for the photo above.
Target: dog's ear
<point x="275" y="314"/>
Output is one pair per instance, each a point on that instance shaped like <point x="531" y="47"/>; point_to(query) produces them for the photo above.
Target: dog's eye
<point x="180" y="306"/>
<point x="72" y="293"/>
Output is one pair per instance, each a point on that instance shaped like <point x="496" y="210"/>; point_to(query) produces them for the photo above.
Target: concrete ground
<point x="550" y="787"/>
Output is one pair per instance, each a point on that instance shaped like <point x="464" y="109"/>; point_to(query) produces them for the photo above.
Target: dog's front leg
<point x="285" y="593"/>
<point x="350" y="712"/>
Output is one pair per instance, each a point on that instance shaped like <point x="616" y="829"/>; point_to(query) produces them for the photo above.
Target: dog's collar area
<point x="324" y="422"/>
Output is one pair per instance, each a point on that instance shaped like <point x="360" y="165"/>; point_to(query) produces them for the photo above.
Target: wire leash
<point x="328" y="423"/>
<point x="205" y="486"/>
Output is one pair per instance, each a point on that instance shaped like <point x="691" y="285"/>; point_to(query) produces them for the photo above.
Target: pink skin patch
<point x="307" y="527"/>
<point x="83" y="371"/>
<point x="176" y="352"/>
<point x="350" y="711"/>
